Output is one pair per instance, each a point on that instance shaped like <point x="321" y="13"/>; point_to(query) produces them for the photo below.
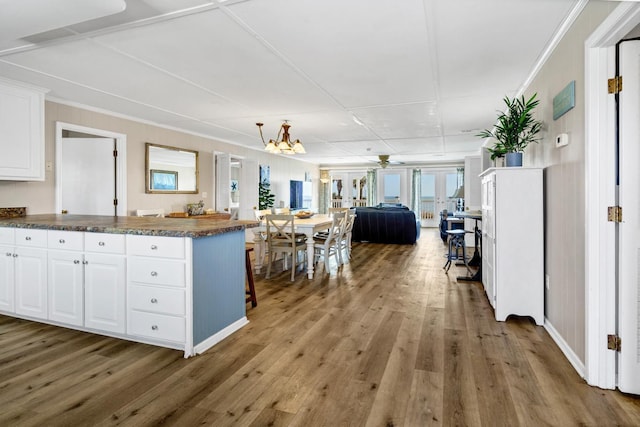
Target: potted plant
<point x="514" y="130"/>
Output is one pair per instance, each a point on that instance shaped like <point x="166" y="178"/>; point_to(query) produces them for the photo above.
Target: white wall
<point x="564" y="179"/>
<point x="39" y="197"/>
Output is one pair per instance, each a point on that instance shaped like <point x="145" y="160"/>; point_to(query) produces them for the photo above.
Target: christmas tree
<point x="265" y="198"/>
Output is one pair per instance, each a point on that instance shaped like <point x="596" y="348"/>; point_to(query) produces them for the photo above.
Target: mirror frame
<point x="147" y="175"/>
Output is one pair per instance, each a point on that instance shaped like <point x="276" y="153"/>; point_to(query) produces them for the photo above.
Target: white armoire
<point x="513" y="241"/>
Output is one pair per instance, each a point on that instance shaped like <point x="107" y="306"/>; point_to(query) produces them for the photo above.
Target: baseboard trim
<point x="220" y="335"/>
<point x="573" y="358"/>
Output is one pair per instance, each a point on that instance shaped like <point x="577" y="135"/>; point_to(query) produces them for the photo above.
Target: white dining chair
<point x="281" y="238"/>
<point x="325" y="247"/>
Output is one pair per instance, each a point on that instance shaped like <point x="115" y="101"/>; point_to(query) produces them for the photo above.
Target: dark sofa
<point x="385" y="225"/>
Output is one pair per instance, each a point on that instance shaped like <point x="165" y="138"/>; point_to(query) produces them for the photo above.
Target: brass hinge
<point x="615" y="84"/>
<point x="614" y="214"/>
<point x="614" y="342"/>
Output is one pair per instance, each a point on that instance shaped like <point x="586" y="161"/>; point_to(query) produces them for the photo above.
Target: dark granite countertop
<point x="147" y="226"/>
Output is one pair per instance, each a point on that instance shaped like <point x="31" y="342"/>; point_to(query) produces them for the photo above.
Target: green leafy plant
<point x="515" y="128"/>
<point x="266" y="199"/>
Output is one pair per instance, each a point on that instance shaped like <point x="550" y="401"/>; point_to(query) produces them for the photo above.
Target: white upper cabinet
<point x="21" y="133"/>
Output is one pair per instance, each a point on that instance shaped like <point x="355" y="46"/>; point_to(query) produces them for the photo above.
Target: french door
<point x="437" y="188"/>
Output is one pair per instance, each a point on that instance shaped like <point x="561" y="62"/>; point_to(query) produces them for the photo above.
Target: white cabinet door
<point x="105" y="292"/>
<point x="31" y="282"/>
<point x="66" y="281"/>
<point x="7" y="279"/>
<point x="21" y="134"/>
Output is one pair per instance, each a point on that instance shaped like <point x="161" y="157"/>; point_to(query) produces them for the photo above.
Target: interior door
<point x="223" y="182"/>
<point x="629" y="229"/>
<point x="87" y="176"/>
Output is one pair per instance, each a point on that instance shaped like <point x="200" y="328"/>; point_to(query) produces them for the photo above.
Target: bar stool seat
<point x="251" y="290"/>
<point x="456" y="249"/>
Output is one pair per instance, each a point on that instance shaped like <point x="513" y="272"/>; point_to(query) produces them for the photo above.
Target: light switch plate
<point x="562" y="140"/>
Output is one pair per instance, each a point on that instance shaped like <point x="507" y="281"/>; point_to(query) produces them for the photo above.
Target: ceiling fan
<point x="383" y="161"/>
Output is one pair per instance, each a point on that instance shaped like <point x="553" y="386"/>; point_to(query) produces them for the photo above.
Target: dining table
<point x="308" y="226"/>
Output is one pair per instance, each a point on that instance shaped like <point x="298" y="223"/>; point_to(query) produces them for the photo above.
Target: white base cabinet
<point x="513" y="241"/>
<point x="151" y="289"/>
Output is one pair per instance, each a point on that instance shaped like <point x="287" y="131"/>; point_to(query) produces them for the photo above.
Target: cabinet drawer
<point x="104" y="243"/>
<point x="68" y="240"/>
<point x="31" y="238"/>
<point x="156" y="299"/>
<point x="7" y="236"/>
<point x="155" y="246"/>
<point x="158" y="326"/>
<point x="156" y="272"/>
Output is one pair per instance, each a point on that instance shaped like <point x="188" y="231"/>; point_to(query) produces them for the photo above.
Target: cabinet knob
<point x="154" y="273"/>
<point x="27" y="238"/>
<point x="85" y="262"/>
<point x="154" y="247"/>
<point x="61" y="241"/>
<point x="15" y="255"/>
<point x="100" y="243"/>
<point x="75" y="261"/>
<point x="154" y="301"/>
<point x="154" y="328"/>
<point x="9" y="254"/>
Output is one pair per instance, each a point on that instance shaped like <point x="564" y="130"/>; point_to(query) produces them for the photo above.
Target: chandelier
<point x="283" y="146"/>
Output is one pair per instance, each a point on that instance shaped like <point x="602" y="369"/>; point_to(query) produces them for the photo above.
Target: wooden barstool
<point x="251" y="292"/>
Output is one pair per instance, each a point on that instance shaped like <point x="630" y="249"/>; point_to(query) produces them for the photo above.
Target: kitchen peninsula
<point x="177" y="283"/>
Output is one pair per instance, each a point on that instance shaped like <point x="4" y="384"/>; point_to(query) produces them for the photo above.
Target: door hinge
<point x="615" y="84"/>
<point x="115" y="153"/>
<point x="115" y="202"/>
<point x="614" y="342"/>
<point x="614" y="214"/>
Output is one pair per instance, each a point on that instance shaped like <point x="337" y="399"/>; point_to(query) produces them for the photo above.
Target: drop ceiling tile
<point x="213" y="52"/>
<point x="402" y="121"/>
<point x="360" y="58"/>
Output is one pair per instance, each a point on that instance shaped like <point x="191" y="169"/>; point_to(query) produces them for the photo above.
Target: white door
<point x="223" y="182"/>
<point x="66" y="287"/>
<point x="87" y="176"/>
<point x="31" y="282"/>
<point x="6" y="279"/>
<point x="437" y="187"/>
<point x="104" y="299"/>
<point x="248" y="187"/>
<point x="629" y="229"/>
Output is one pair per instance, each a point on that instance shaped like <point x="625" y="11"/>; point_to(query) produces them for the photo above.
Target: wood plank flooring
<point x="390" y="340"/>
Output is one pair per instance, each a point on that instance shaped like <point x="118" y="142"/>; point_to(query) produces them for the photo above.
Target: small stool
<point x="456" y="248"/>
<point x="251" y="292"/>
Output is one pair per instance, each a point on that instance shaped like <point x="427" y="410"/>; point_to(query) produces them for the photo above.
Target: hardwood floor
<point x="391" y="340"/>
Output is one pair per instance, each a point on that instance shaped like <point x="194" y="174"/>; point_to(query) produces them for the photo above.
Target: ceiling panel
<point x="360" y="51"/>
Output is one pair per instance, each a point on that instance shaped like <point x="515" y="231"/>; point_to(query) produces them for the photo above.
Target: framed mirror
<point x="170" y="170"/>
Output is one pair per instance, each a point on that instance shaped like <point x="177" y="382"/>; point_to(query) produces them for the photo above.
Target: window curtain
<point x="416" y="191"/>
<point x="372" y="187"/>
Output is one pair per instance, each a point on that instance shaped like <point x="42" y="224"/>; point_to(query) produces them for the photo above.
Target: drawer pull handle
<point x="61" y="241"/>
<point x="154" y="247"/>
<point x="154" y="301"/>
<point x="154" y="328"/>
<point x="100" y="243"/>
<point x="27" y="238"/>
<point x="154" y="273"/>
<point x="75" y="261"/>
